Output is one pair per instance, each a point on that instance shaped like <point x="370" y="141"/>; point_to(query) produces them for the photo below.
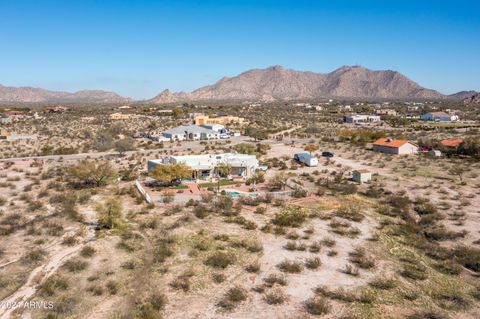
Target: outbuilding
<point x="361" y="176"/>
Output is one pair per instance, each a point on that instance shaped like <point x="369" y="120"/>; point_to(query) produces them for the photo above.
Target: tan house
<point x="223" y="120"/>
<point x="121" y="116"/>
<point x="391" y="146"/>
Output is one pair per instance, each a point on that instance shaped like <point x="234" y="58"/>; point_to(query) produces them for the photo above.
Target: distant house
<point x="390" y="112"/>
<point x="361" y="118"/>
<point x="11" y="136"/>
<point x="121" y="116"/>
<point x="451" y="143"/>
<point x="4" y="119"/>
<point x="361" y="176"/>
<point x="391" y="146"/>
<point x="439" y="117"/>
<point x="223" y="120"/>
<point x="190" y="133"/>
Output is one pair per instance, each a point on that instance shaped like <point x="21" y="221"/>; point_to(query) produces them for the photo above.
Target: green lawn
<point x="223" y="182"/>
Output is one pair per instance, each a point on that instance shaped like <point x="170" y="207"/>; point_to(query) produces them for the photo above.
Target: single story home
<point x="391" y="146"/>
<point x="439" y="117"/>
<point x="451" y="143"/>
<point x="361" y="118"/>
<point x="190" y="133"/>
<point x="205" y="166"/>
<point x="121" y="116"/>
<point x="390" y="112"/>
<point x="361" y="176"/>
<point x="223" y="120"/>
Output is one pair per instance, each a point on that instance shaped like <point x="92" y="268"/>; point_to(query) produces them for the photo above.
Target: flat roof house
<point x="204" y="166"/>
<point x="391" y="146"/>
<point x="190" y="133"/>
<point x="4" y="119"/>
<point x="439" y="117"/>
<point x="223" y="120"/>
<point x="362" y="118"/>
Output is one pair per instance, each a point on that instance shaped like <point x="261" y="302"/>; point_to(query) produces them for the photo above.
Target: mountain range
<point x="270" y="84"/>
<point x="42" y="96"/>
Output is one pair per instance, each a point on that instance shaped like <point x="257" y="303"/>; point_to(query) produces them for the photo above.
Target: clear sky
<point x="138" y="48"/>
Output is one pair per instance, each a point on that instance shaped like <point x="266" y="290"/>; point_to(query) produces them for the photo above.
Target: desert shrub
<point x="34" y="256"/>
<point x="350" y="212"/>
<point x="200" y="211"/>
<point x="96" y="290"/>
<point x="273" y="279"/>
<point x="350" y="270"/>
<point x="275" y="297"/>
<point x="359" y="257"/>
<point x="414" y="271"/>
<point x="468" y="257"/>
<point x="253" y="267"/>
<point x="220" y="259"/>
<point x="112" y="287"/>
<point x="317" y="306"/>
<point x="448" y="267"/>
<point x="290" y="266"/>
<point x="182" y="282"/>
<point x="232" y="298"/>
<point x="218" y="277"/>
<point x="428" y="314"/>
<point x="290" y="216"/>
<point x="168" y="197"/>
<point x="150" y="306"/>
<point x="452" y="300"/>
<point x="383" y="283"/>
<point x="52" y="285"/>
<point x="75" y="265"/>
<point x="313" y="263"/>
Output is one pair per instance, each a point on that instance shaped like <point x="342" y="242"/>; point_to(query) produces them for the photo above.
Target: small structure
<point x="361" y="119"/>
<point x="391" y="146"/>
<point x="205" y="166"/>
<point x="306" y="158"/>
<point x="4" y="119"/>
<point x="434" y="153"/>
<point x="11" y="136"/>
<point x="439" y="117"/>
<point x="361" y="176"/>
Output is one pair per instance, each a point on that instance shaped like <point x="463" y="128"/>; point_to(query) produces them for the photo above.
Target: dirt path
<point x="59" y="253"/>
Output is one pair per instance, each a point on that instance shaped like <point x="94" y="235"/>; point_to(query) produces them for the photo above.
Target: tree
<point x="311" y="148"/>
<point x="256" y="133"/>
<point x="124" y="145"/>
<point x="459" y="171"/>
<point x="103" y="141"/>
<point x="169" y="173"/>
<point x="279" y="181"/>
<point x="223" y="170"/>
<point x="94" y="174"/>
<point x="109" y="214"/>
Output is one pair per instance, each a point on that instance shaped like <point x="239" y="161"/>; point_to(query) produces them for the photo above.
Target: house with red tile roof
<point x="451" y="143"/>
<point x="392" y="146"/>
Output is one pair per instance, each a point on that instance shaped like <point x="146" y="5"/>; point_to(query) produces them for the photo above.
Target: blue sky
<point x="138" y="48"/>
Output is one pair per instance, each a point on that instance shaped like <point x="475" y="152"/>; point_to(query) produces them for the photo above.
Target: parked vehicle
<point x="306" y="159"/>
<point x="327" y="154"/>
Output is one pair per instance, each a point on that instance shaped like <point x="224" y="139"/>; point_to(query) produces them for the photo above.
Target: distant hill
<point x="278" y="83"/>
<point x="468" y="97"/>
<point x="37" y="95"/>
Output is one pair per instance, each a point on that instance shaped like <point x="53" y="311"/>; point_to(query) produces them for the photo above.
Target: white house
<point x="190" y="133"/>
<point x="204" y="166"/>
<point x="439" y="117"/>
<point x="399" y="147"/>
<point x="362" y="118"/>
